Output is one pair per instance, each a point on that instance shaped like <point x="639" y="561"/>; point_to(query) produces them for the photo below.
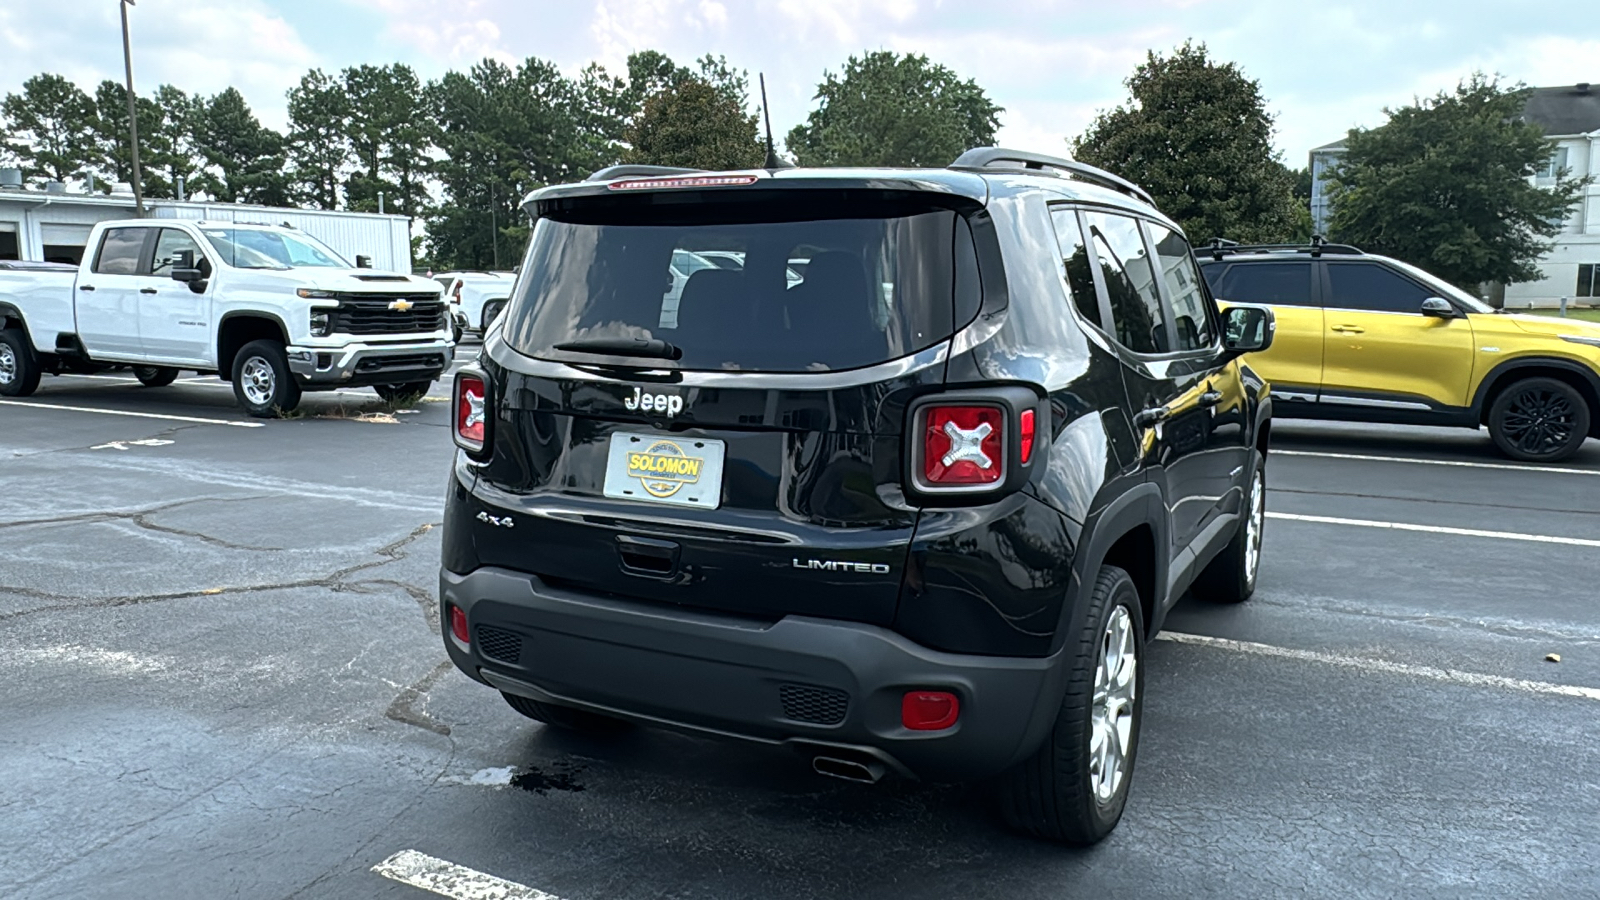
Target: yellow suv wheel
<point x="1539" y="420"/>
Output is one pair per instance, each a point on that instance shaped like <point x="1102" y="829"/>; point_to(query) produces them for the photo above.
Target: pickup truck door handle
<point x="147" y="290"/>
<point x="1148" y="417"/>
<point x="1210" y="398"/>
<point x="1349" y="329"/>
<point x="85" y="287"/>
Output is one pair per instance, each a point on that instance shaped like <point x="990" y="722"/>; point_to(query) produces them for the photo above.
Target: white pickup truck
<point x="268" y="308"/>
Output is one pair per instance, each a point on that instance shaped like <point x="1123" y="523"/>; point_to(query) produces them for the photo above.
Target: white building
<point x="53" y="225"/>
<point x="1570" y="115"/>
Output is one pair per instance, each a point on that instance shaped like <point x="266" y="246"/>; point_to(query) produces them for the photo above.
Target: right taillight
<point x="471" y="402"/>
<point x="972" y="445"/>
<point x="963" y="445"/>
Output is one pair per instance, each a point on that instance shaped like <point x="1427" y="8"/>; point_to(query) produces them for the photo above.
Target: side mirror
<point x="363" y="262"/>
<point x="1247" y="329"/>
<point x="188" y="274"/>
<point x="1439" y="308"/>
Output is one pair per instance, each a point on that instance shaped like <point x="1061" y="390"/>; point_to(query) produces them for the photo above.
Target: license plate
<point x="656" y="469"/>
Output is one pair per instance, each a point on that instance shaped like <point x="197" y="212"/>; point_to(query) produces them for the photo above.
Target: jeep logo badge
<point x="668" y="405"/>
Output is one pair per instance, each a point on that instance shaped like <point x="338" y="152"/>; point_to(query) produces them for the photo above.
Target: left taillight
<point x="472" y="412"/>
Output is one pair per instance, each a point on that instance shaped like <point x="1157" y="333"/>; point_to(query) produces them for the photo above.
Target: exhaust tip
<point x="865" y="772"/>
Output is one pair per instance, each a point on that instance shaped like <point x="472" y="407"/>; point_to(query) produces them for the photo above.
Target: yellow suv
<point x="1370" y="339"/>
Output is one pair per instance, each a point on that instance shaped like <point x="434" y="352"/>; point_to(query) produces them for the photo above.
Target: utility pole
<point x="133" y="111"/>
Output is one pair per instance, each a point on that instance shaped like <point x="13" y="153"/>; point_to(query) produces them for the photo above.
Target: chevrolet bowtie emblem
<point x="967" y="445"/>
<point x="401" y="305"/>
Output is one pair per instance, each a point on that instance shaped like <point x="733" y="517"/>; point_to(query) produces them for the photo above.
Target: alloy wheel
<point x="1111" y="718"/>
<point x="1539" y="421"/>
<point x="258" y="381"/>
<point x="1255" y="526"/>
<point x="8" y="364"/>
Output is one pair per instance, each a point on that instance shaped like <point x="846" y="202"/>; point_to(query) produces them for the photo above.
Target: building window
<point x="1557" y="162"/>
<point x="10" y="248"/>
<point x="1588" y="283"/>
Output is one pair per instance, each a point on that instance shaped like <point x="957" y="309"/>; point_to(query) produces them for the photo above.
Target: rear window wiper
<point x="635" y="347"/>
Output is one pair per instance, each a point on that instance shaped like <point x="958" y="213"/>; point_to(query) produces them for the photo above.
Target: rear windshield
<point x="769" y="287"/>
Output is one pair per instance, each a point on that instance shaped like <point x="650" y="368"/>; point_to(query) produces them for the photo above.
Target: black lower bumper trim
<point x="716" y="675"/>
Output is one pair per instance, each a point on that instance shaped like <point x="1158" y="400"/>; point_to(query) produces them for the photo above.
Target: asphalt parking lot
<point x="224" y="679"/>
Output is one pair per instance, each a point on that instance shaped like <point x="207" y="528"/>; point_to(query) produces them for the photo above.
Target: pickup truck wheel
<point x="403" y="394"/>
<point x="262" y="382"/>
<point x="1231" y="577"/>
<point x="1539" y="420"/>
<point x="155" y="376"/>
<point x="565" y="716"/>
<point x="1074" y="788"/>
<point x="19" y="367"/>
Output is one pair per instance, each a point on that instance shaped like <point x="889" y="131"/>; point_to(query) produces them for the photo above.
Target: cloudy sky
<point x="1051" y="63"/>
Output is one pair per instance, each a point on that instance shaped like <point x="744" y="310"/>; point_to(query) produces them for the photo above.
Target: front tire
<point x="155" y="376"/>
<point x="565" y="717"/>
<point x="1075" y="787"/>
<point x="1539" y="420"/>
<point x="1231" y="576"/>
<point x="19" y="367"/>
<point x="262" y="382"/>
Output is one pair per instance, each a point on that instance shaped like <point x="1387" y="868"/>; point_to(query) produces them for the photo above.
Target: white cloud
<point x="457" y="34"/>
<point x="202" y="48"/>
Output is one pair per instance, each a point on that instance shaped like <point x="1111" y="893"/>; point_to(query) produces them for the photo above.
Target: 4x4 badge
<point x="668" y="404"/>
<point x="498" y="521"/>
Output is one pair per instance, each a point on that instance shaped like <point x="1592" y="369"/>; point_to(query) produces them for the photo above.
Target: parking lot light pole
<point x="133" y="112"/>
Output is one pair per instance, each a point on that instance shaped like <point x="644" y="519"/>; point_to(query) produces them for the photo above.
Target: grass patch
<point x="1586" y="314"/>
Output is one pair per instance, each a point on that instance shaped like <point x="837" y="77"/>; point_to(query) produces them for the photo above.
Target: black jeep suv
<point x="899" y="468"/>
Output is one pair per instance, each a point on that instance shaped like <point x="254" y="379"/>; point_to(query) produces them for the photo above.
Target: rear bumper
<point x="360" y="365"/>
<point x="732" y="677"/>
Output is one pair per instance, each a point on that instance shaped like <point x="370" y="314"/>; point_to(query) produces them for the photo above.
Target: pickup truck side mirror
<point x="1247" y="329"/>
<point x="1438" y="308"/>
<point x="184" y="270"/>
<point x="363" y="262"/>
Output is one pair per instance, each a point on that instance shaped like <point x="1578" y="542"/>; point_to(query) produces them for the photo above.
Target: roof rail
<point x="984" y="157"/>
<point x="1220" y="247"/>
<point x="611" y="173"/>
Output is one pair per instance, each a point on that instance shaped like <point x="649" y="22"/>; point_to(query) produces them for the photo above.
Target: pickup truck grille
<point x="374" y="314"/>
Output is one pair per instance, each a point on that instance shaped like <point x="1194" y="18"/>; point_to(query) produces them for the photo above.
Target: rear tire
<point x="262" y="382"/>
<point x="1075" y="787"/>
<point x="1539" y="420"/>
<point x="402" y="394"/>
<point x="565" y="717"/>
<point x="19" y="366"/>
<point x="1231" y="576"/>
<point x="155" y="376"/>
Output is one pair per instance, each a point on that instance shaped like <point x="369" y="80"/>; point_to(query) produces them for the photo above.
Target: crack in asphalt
<point x="338" y="581"/>
<point x="141" y="518"/>
<point x="403" y="708"/>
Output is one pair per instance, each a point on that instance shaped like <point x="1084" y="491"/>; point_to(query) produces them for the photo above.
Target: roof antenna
<point x="773" y="162"/>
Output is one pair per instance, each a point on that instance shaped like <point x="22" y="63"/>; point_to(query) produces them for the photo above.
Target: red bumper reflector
<point x="458" y="625"/>
<point x="929" y="710"/>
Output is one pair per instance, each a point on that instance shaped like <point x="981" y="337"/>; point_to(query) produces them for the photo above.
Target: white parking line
<point x="137" y="415"/>
<point x="1435" y="462"/>
<point x="447" y="879"/>
<point x="1439" y="529"/>
<point x="1365" y="664"/>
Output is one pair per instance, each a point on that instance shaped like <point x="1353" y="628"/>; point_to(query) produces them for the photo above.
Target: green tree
<point x="1446" y="184"/>
<point x="113" y="160"/>
<point x="169" y="145"/>
<point x="699" y="120"/>
<point x="318" y="143"/>
<point x="504" y="132"/>
<point x="1196" y="134"/>
<point x="52" y="127"/>
<point x="892" y="110"/>
<point x="392" y="133"/>
<point x="245" y="159"/>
